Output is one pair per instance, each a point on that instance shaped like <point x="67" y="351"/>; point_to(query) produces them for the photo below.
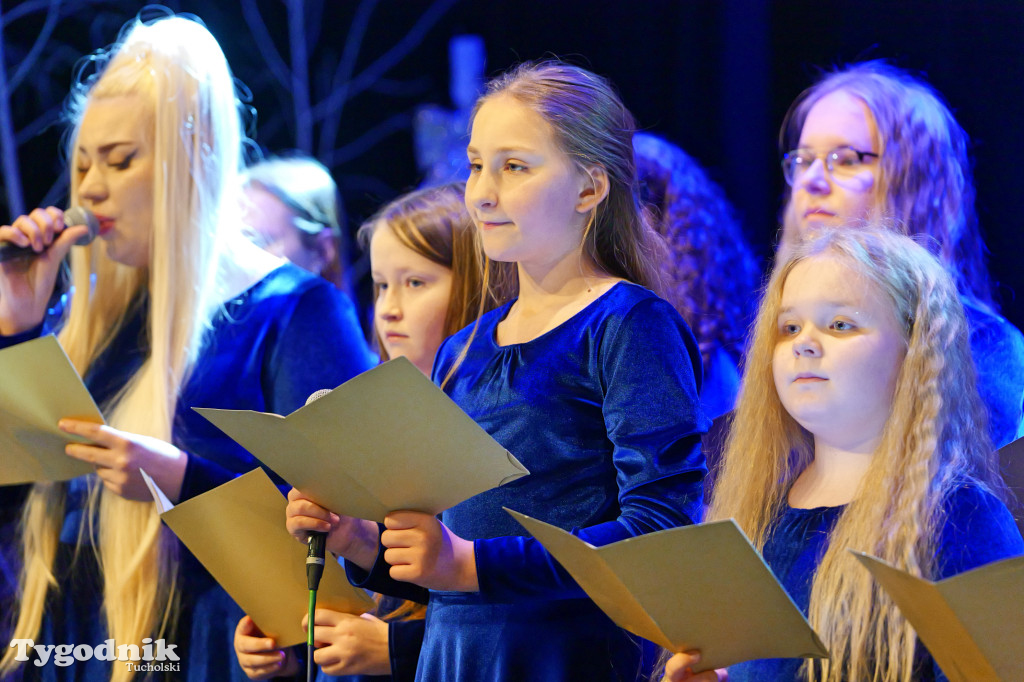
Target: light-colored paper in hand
<point x="696" y="587"/>
<point x="38" y="387"/>
<point x="972" y="623"/>
<point x="237" y="532"/>
<point x="387" y="439"/>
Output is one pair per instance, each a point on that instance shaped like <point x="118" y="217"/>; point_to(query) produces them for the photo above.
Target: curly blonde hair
<point x="934" y="437"/>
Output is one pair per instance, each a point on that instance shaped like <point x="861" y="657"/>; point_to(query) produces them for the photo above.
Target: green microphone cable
<point x="314" y="570"/>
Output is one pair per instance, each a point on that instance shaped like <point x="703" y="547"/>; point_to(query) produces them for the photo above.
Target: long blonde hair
<point x="935" y="436"/>
<point x="178" y="68"/>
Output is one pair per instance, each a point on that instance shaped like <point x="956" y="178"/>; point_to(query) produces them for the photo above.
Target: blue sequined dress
<point x="603" y="411"/>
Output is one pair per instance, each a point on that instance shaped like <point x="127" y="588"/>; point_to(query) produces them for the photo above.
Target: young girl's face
<point x="819" y="197"/>
<point x="523" y="190"/>
<point x="838" y="353"/>
<point x="412" y="299"/>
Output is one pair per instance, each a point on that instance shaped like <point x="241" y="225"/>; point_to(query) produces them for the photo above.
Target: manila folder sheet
<point x="387" y="439"/>
<point x="695" y="587"/>
<point x="971" y="623"/>
<point x="237" y="532"/>
<point x="39" y="387"/>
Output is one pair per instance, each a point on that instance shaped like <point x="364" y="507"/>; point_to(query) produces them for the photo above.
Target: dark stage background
<point x="341" y="79"/>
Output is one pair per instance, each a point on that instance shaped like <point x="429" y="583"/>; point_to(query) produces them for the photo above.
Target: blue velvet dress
<point x="998" y="351"/>
<point x="978" y="530"/>
<point x="603" y="411"/>
<point x="405" y="638"/>
<point x="287" y="336"/>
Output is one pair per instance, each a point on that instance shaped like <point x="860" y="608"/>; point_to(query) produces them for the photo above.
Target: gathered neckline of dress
<point x="493" y="331"/>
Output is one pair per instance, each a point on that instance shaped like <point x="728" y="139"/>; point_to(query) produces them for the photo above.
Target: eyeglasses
<point x="841" y="162"/>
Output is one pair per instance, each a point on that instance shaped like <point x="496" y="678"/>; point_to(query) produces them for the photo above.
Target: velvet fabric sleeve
<point x="378" y="579"/>
<point x="977" y="530"/>
<point x="313" y="341"/>
<point x="998" y="351"/>
<point x="650" y="375"/>
<point x="319" y="345"/>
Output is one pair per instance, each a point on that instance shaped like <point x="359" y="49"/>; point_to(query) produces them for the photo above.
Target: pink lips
<point x="804" y="378"/>
<point x="818" y="212"/>
<point x="106" y="224"/>
<point x="488" y="225"/>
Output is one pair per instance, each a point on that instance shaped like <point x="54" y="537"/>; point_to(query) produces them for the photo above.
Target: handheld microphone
<point x="76" y="215"/>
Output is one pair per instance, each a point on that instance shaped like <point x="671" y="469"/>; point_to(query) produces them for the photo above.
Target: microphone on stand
<point x="314" y="570"/>
<point x="76" y="215"/>
<point x="317" y="543"/>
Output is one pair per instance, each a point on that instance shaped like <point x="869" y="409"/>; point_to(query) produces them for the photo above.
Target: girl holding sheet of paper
<point x="859" y="427"/>
<point x="427" y="268"/>
<point x="588" y="378"/>
<point x="172" y="307"/>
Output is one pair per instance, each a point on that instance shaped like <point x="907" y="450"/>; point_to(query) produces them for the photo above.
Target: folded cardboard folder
<point x="38" y="387"/>
<point x="972" y="623"/>
<point x="696" y="587"/>
<point x="387" y="439"/>
<point x="237" y="532"/>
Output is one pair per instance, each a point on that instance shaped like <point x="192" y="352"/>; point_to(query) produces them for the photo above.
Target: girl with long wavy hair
<point x="170" y="307"/>
<point x="858" y="427"/>
<point x="588" y="377"/>
<point x="872" y="141"/>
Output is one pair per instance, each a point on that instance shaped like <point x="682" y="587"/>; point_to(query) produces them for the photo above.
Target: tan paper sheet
<point x="387" y="439"/>
<point x="237" y="532"/>
<point x="38" y="387"/>
<point x="972" y="623"/>
<point x="697" y="587"/>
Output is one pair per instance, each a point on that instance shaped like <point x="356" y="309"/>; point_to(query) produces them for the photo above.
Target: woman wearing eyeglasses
<point x="871" y="141"/>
